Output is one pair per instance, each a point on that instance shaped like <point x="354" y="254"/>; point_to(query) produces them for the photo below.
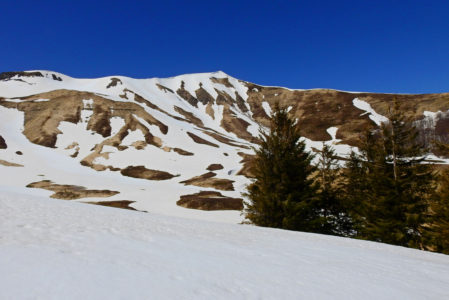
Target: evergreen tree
<point x="283" y="194"/>
<point x="393" y="185"/>
<point x="440" y="217"/>
<point x="331" y="201"/>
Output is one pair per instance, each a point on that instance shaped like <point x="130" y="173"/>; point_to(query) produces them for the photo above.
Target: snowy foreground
<point x="54" y="249"/>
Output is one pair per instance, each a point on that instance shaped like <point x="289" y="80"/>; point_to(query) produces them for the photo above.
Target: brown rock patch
<point x="189" y="116"/>
<point x="124" y="204"/>
<point x="3" y="143"/>
<point x="144" y="173"/>
<point x="182" y="152"/>
<point x="114" y="82"/>
<point x="163" y="88"/>
<point x="184" y="94"/>
<point x="70" y="192"/>
<point x="199" y="140"/>
<point x="206" y="200"/>
<point x="214" y="167"/>
<point x="208" y="180"/>
<point x="9" y="164"/>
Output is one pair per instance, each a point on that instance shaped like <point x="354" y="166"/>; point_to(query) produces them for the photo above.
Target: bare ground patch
<point x="124" y="204"/>
<point x="9" y="164"/>
<point x="70" y="192"/>
<point x="215" y="167"/>
<point x="144" y="173"/>
<point x="208" y="180"/>
<point x="209" y="200"/>
<point x="199" y="140"/>
<point x="3" y="143"/>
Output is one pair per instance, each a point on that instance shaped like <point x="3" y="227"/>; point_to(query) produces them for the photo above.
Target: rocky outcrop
<point x="208" y="180"/>
<point x="206" y="200"/>
<point x="70" y="192"/>
<point x="144" y="173"/>
<point x="3" y="143"/>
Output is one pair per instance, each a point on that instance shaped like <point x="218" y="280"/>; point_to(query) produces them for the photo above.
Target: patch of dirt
<point x="247" y="165"/>
<point x="124" y="204"/>
<point x="9" y="75"/>
<point x="114" y="82"/>
<point x="199" y="140"/>
<point x="208" y="180"/>
<point x="144" y="173"/>
<point x="236" y="125"/>
<point x="9" y="164"/>
<point x="203" y="96"/>
<point x="184" y="94"/>
<point x="207" y="200"/>
<point x="182" y="152"/>
<point x="189" y="116"/>
<point x="3" y="143"/>
<point x="214" y="167"/>
<point x="224" y="139"/>
<point x="163" y="88"/>
<point x="70" y="192"/>
<point x="223" y="81"/>
<point x="57" y="78"/>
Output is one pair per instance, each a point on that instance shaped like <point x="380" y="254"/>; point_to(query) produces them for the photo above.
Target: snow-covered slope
<point x="51" y="249"/>
<point x="166" y="144"/>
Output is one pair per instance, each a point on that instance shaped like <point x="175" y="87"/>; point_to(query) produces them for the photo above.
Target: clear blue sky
<point x="378" y="46"/>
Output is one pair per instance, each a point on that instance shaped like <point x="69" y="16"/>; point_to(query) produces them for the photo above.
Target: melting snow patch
<point x="267" y="108"/>
<point x="373" y="115"/>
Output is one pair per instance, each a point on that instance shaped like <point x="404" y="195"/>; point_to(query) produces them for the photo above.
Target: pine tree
<point x="283" y="194"/>
<point x="331" y="201"/>
<point x="394" y="185"/>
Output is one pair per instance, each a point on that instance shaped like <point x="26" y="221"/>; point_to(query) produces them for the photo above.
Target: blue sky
<point x="377" y="46"/>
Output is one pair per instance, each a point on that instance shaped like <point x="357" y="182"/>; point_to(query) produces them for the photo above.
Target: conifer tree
<point x="336" y="220"/>
<point x="393" y="186"/>
<point x="283" y="194"/>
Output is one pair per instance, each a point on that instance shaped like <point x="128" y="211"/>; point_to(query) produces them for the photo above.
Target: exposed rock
<point x="118" y="204"/>
<point x="70" y="192"/>
<point x="144" y="173"/>
<point x="203" y="96"/>
<point x="247" y="165"/>
<point x="223" y="81"/>
<point x="9" y="164"/>
<point x="215" y="167"/>
<point x="199" y="140"/>
<point x="163" y="88"/>
<point x="208" y="180"/>
<point x="19" y="153"/>
<point x="9" y="75"/>
<point x="114" y="82"/>
<point x="183" y="152"/>
<point x="189" y="116"/>
<point x="206" y="200"/>
<point x="3" y="143"/>
<point x="184" y="94"/>
<point x="57" y="78"/>
<point x="225" y="140"/>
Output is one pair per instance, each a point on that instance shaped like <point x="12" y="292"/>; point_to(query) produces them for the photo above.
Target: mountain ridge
<point x="165" y="132"/>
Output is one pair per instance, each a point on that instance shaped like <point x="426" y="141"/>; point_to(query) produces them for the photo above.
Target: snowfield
<point x="54" y="249"/>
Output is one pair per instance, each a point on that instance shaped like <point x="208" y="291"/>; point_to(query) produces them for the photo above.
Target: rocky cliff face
<point x="168" y="131"/>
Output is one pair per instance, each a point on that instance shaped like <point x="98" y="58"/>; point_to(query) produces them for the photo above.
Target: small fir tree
<point x="283" y="194"/>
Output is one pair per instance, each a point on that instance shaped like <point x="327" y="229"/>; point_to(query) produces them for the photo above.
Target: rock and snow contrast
<point x="166" y="145"/>
<point x="180" y="149"/>
<point x="52" y="249"/>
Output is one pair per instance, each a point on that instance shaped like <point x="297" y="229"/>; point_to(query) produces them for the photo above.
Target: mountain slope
<point x="53" y="249"/>
<point x="148" y="144"/>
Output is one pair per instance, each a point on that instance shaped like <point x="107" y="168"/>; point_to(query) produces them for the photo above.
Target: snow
<point x="373" y="115"/>
<point x="52" y="249"/>
<point x="266" y="107"/>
